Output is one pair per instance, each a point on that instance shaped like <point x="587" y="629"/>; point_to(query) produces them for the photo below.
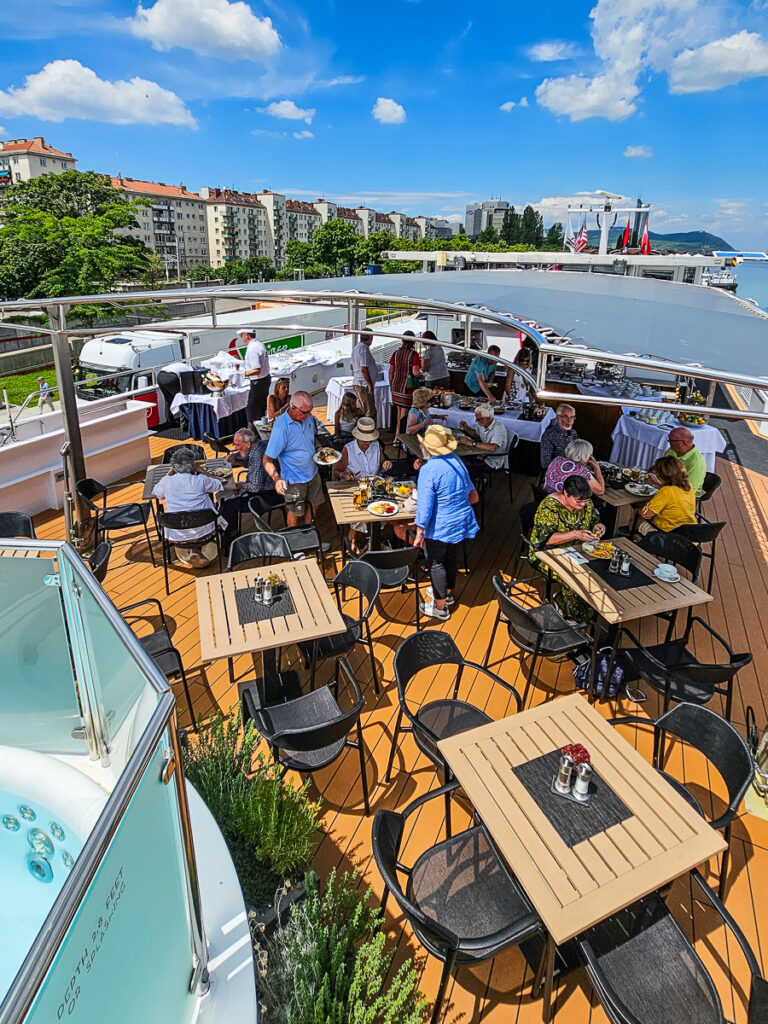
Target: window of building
<point x="15" y="159"/>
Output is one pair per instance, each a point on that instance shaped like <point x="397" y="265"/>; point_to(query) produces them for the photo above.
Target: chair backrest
<point x="711" y="482"/>
<point x="318" y="735"/>
<point x="197" y="450"/>
<point x="364" y="579"/>
<point x="718" y="741"/>
<point x="88" y="489"/>
<point x="539" y="494"/>
<point x="525" y="517"/>
<point x="188" y="520"/>
<point x="700" y="533"/>
<point x="217" y="443"/>
<point x="674" y="548"/>
<point x="99" y="560"/>
<point x="392" y="559"/>
<point x="258" y="545"/>
<point x="522" y="625"/>
<point x="17" y="524"/>
<point x="422" y="650"/>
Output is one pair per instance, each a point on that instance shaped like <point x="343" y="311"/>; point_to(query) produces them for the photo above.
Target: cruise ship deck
<point x="501" y="990"/>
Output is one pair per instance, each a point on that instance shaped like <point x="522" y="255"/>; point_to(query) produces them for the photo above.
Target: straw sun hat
<point x="438" y="441"/>
<point x="365" y="430"/>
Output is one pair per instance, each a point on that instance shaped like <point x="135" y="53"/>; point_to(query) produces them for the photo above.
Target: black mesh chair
<point x="396" y="569"/>
<point x="262" y="546"/>
<point x="447" y="716"/>
<point x="188" y="521"/>
<point x="310" y="732"/>
<point x="540" y="631"/>
<point x="114" y="517"/>
<point x="669" y="547"/>
<point x="159" y="647"/>
<point x="98" y="562"/>
<point x="17" y="524"/>
<point x="525" y="516"/>
<point x="460" y="899"/>
<point x="675" y="672"/>
<point x="711" y="483"/>
<point x="219" y="444"/>
<point x="363" y="579"/>
<point x="644" y="969"/>
<point x="301" y="540"/>
<point x="700" y="533"/>
<point x="197" y="450"/>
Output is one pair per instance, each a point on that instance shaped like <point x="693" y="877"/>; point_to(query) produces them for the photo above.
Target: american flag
<point x="580" y="244"/>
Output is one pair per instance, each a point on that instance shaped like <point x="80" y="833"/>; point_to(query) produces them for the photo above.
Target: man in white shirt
<point x="489" y="436"/>
<point x="257" y="374"/>
<point x="365" y="372"/>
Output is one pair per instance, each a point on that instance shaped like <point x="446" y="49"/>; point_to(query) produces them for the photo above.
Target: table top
<point x="155" y="473"/>
<point x="341" y="494"/>
<point x="623" y="605"/>
<point x="574" y="887"/>
<point x="222" y="635"/>
<point x="618" y="496"/>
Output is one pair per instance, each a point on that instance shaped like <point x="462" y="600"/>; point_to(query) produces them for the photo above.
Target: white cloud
<point x="388" y="111"/>
<point x="719" y="63"/>
<point x="304" y="135"/>
<point x="211" y="28"/>
<point x="269" y="134"/>
<point x="509" y="105"/>
<point x="730" y="207"/>
<point x="523" y="101"/>
<point x="65" y="88"/>
<point x="342" y="80"/>
<point x="609" y="96"/>
<point x="642" y="152"/>
<point x="287" y="109"/>
<point x="556" y="49"/>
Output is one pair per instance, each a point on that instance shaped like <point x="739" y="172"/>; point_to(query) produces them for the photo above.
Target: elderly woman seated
<point x="361" y="457"/>
<point x="578" y="460"/>
<point x="188" y="489"/>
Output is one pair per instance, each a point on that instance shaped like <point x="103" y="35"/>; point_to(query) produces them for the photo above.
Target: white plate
<point x="665" y="577"/>
<point x="326" y="462"/>
<point x="641" y="490"/>
<point x="383" y="515"/>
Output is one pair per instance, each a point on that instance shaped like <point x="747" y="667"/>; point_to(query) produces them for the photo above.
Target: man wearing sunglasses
<point x="293" y="443"/>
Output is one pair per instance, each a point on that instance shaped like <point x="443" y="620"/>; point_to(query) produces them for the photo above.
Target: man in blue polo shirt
<point x="480" y="374"/>
<point x="294" y="442"/>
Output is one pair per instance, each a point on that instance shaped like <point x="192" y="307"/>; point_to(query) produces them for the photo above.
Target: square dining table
<point x="578" y="864"/>
<point x="156" y="472"/>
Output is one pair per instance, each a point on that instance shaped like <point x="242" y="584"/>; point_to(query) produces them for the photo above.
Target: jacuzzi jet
<point x="58" y="832"/>
<point x="11" y="823"/>
<point x="27" y="813"/>
<point x="39" y="868"/>
<point x="68" y="859"/>
<point x="41" y="843"/>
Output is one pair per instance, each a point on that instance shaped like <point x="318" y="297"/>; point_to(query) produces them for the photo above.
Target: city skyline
<point x="405" y="110"/>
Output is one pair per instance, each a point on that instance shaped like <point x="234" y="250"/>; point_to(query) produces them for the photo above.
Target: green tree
<point x="488" y="236"/>
<point x="70" y="194"/>
<point x="201" y="271"/>
<point x="154" y="272"/>
<point x="510" y="227"/>
<point x="528" y="226"/>
<point x="334" y="245"/>
<point x="298" y="255"/>
<point x="554" y="238"/>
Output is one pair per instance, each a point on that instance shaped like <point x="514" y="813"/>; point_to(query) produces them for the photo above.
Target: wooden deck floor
<point x="500" y="990"/>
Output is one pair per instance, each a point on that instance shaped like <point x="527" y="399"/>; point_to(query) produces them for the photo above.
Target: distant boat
<point x="720" y="279"/>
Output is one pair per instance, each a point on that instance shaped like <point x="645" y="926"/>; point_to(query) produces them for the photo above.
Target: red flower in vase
<point x="577" y="752"/>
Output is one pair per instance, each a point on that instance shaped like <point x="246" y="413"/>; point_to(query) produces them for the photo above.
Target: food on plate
<point x="327" y="456"/>
<point x="404" y="490"/>
<point x="602" y="550"/>
<point x="383" y="508"/>
<point x="641" y="490"/>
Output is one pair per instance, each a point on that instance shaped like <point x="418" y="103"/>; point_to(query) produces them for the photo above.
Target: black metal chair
<point x="114" y="517"/>
<point x="253" y="546"/>
<point x="98" y="562"/>
<point x="525" y="517"/>
<point x="540" y="631"/>
<point x="364" y="579"/>
<point x="675" y="672"/>
<point x="724" y="749"/>
<point x="676" y="549"/>
<point x="188" y="521"/>
<point x="219" y="444"/>
<point x="396" y="569"/>
<point x="700" y="533"/>
<point x="301" y="539"/>
<point x="461" y="900"/>
<point x="17" y="524"/>
<point x="711" y="483"/>
<point x="197" y="451"/>
<point x="644" y="969"/>
<point x="159" y="646"/>
<point x="309" y="732"/>
<point x="446" y="716"/>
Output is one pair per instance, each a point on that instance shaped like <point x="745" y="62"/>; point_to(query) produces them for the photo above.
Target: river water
<point x="753" y="282"/>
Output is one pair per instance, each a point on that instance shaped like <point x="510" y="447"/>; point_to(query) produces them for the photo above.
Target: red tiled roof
<point x="411" y="222"/>
<point x="219" y="195"/>
<point x="296" y="206"/>
<point x="154" y="188"/>
<point x="383" y="218"/>
<point x="36" y="145"/>
<point x="346" y="213"/>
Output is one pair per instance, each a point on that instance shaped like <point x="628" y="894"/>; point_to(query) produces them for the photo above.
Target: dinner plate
<point x="589" y="546"/>
<point x="328" y="461"/>
<point x="383" y="508"/>
<point x="664" y="577"/>
<point x="641" y="490"/>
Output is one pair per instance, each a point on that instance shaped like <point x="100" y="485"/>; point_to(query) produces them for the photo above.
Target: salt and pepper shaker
<point x="564" y="774"/>
<point x="615" y="561"/>
<point x="258" y="589"/>
<point x="267" y="592"/>
<point x="581" y="783"/>
<point x="626" y="564"/>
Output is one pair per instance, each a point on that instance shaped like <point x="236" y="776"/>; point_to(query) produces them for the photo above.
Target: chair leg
<point x="384" y="898"/>
<point x="166" y="554"/>
<point x="447" y="968"/>
<point x="149" y="544"/>
<point x="313" y="665"/>
<point x="363" y="779"/>
<point x="398" y="723"/>
<point x="493" y="637"/>
<point x="373" y="659"/>
<point x="725" y="863"/>
<point x="446" y="780"/>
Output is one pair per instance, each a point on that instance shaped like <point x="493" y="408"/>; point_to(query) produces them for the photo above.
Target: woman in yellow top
<point x="674" y="504"/>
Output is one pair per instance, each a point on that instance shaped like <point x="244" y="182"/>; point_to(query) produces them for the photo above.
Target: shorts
<point x="297" y="496"/>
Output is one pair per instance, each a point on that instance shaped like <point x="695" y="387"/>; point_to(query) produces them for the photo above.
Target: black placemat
<point x="251" y="610"/>
<point x="573" y="822"/>
<point x="636" y="578"/>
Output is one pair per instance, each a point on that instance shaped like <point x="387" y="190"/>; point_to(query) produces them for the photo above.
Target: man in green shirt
<point x="681" y="444"/>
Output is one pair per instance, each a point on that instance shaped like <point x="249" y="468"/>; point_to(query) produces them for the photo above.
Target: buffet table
<point x="219" y="415"/>
<point x="636" y="443"/>
<point x="337" y="387"/>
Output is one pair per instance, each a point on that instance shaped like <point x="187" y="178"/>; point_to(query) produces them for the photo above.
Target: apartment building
<point x="303" y="220"/>
<point x="277" y="215"/>
<point x="351" y="217"/>
<point x="404" y="227"/>
<point x="173" y="224"/>
<point x="326" y="209"/>
<point x="238" y="226"/>
<point x="22" y="159"/>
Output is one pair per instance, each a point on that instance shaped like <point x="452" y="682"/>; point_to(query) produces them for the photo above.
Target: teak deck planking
<point x="499" y="991"/>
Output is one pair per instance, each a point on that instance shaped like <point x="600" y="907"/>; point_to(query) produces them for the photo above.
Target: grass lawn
<point x="22" y="384"/>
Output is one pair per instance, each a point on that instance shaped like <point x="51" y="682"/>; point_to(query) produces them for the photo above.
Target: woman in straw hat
<point x="361" y="457"/>
<point x="418" y="418"/>
<point x="444" y="515"/>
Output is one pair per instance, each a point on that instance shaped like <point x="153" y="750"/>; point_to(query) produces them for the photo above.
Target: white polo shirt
<point x="362" y="356"/>
<point x="494" y="433"/>
<point x="256" y="358"/>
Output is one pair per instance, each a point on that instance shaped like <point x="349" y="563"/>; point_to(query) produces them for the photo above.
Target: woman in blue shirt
<point x="444" y="515"/>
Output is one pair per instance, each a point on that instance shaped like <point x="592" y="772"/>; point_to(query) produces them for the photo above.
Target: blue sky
<point x="414" y="105"/>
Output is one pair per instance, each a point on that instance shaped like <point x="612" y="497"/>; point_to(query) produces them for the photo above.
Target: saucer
<point x="666" y="577"/>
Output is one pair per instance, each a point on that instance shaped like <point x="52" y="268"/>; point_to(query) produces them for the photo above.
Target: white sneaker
<point x="430" y="610"/>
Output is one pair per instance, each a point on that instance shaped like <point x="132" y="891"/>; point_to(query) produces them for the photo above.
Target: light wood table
<point x="156" y="473"/>
<point x="575" y="887"/>
<point x="222" y="635"/>
<point x="341" y="494"/>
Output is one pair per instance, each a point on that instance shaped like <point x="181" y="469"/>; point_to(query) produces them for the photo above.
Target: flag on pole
<point x="625" y="238"/>
<point x="569" y="242"/>
<point x="645" y="245"/>
<point x="581" y="239"/>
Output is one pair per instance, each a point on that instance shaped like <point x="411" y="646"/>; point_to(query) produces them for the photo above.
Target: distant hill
<point x="685" y="241"/>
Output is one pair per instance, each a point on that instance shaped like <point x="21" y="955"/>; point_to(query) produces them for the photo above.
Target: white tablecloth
<point x="639" y="444"/>
<point x="222" y="405"/>
<point x="337" y="387"/>
<point x="526" y="430"/>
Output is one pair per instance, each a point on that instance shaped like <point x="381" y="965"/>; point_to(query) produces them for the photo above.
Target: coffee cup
<point x="665" y="569"/>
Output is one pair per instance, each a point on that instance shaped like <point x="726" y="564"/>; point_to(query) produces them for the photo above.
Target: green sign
<point x="284" y="344"/>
